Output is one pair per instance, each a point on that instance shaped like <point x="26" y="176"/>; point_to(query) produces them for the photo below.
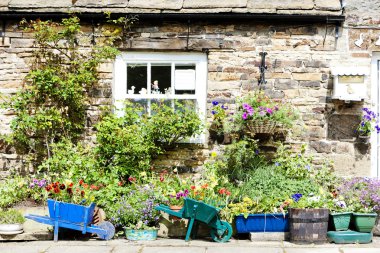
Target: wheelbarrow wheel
<point x="109" y="228"/>
<point x="222" y="237"/>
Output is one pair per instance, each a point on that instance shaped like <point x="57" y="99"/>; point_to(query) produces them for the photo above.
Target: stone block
<point x="100" y="3"/>
<point x="307" y="76"/>
<point x="316" y="133"/>
<point x="345" y="148"/>
<point x="321" y="146"/>
<point x="342" y="126"/>
<point x="281" y="4"/>
<point x="156" y="4"/>
<point x="39" y="4"/>
<point x="330" y="5"/>
<point x="21" y="42"/>
<point x="310" y="84"/>
<point x="197" y="4"/>
<point x="269" y="236"/>
<point x="285" y="84"/>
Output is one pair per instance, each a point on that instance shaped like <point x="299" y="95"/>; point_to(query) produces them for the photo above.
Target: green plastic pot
<point x="364" y="222"/>
<point x="340" y="221"/>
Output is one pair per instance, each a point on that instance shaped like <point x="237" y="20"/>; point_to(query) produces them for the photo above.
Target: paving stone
<point x="360" y="250"/>
<point x="127" y="249"/>
<point x="312" y="250"/>
<point x="174" y="250"/>
<point x="79" y="249"/>
<point x="244" y="250"/>
<point x="12" y="248"/>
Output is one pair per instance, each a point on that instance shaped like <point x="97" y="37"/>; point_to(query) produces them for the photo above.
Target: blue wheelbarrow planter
<point x="72" y="216"/>
<point x="197" y="211"/>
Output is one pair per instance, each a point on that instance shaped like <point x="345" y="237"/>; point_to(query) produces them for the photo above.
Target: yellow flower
<point x="92" y="198"/>
<point x="143" y="174"/>
<point x="214" y="154"/>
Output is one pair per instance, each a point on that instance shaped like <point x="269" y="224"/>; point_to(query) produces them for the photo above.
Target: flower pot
<point x="141" y="234"/>
<point x="176" y="209"/>
<point x="308" y="225"/>
<point x="11" y="229"/>
<point x="365" y="139"/>
<point x="270" y="222"/>
<point x="364" y="222"/>
<point x="340" y="221"/>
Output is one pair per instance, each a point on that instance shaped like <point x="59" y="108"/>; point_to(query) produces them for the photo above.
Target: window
<point x="147" y="77"/>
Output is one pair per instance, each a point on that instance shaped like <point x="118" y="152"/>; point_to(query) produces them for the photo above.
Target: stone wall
<point x="300" y="57"/>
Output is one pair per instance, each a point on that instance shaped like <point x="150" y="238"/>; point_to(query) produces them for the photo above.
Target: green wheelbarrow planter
<point x="197" y="211"/>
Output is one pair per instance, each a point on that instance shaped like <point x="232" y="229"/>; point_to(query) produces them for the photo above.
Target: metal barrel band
<point x="309" y="220"/>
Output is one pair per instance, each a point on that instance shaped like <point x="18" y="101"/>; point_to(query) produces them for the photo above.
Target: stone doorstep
<point x="269" y="236"/>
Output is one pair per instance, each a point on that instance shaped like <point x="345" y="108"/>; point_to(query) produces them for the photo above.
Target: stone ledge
<point x="269" y="236"/>
<point x="28" y="236"/>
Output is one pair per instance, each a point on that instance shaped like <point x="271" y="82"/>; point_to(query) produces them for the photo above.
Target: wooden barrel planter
<point x="308" y="225"/>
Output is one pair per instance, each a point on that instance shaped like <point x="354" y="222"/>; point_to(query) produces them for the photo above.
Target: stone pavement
<point x="179" y="245"/>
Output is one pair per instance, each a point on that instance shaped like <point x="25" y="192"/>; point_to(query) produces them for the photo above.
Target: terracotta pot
<point x="176" y="209"/>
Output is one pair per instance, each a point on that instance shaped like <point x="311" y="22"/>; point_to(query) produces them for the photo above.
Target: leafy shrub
<point x="240" y="158"/>
<point x="12" y="190"/>
<point x="11" y="216"/>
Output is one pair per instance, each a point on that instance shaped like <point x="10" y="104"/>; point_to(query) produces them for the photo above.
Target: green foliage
<point x="240" y="159"/>
<point x="12" y="190"/>
<point x="170" y="125"/>
<point x="52" y="104"/>
<point x="293" y="165"/>
<point x="11" y="216"/>
<point x="269" y="188"/>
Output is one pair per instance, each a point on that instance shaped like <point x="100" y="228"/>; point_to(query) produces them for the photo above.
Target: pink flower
<point x="244" y="116"/>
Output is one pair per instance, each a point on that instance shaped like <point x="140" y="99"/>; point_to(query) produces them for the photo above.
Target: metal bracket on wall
<point x="262" y="69"/>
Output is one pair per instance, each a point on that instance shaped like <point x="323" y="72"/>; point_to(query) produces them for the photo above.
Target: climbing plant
<point x="52" y="103"/>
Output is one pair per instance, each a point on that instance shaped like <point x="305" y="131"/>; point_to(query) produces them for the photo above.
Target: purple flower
<point x="269" y="111"/>
<point x="307" y="167"/>
<point x="296" y="197"/>
<point x="244" y="116"/>
<point x="224" y="107"/>
<point x="213" y="112"/>
<point x="245" y="106"/>
<point x="262" y="113"/>
<point x="257" y="151"/>
<point x="215" y="103"/>
<point x="276" y="108"/>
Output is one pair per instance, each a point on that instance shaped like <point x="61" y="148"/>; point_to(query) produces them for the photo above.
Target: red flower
<point x="120" y="183"/>
<point x="222" y="191"/>
<point x="81" y="182"/>
<point x="56" y="190"/>
<point x="94" y="187"/>
<point x="228" y="193"/>
<point x="62" y="187"/>
<point x="204" y="186"/>
<point x="162" y="178"/>
<point x="85" y="186"/>
<point x="69" y="191"/>
<point x="131" y="179"/>
<point x="82" y="193"/>
<point x="48" y="188"/>
<point x="71" y="184"/>
<point x="192" y="187"/>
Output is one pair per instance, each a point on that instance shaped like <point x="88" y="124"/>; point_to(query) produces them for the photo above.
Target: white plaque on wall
<point x="184" y="79"/>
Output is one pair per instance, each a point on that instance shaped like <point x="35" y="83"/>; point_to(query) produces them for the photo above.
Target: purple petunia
<point x="244" y="116"/>
<point x="296" y="197"/>
<point x="215" y="103"/>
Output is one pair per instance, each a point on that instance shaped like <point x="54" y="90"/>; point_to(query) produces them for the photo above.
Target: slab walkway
<point x="179" y="245"/>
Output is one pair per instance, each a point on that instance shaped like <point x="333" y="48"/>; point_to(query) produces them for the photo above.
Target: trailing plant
<point x="369" y="123"/>
<point x="12" y="190"/>
<point x="52" y="104"/>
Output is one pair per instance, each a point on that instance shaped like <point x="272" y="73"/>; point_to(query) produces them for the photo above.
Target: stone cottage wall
<point x="300" y="57"/>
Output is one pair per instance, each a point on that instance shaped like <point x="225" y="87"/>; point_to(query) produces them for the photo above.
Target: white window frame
<point x="119" y="86"/>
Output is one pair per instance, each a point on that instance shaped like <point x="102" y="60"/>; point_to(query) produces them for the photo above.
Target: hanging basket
<point x="261" y="127"/>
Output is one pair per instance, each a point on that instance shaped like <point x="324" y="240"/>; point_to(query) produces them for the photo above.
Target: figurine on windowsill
<point x="155" y="88"/>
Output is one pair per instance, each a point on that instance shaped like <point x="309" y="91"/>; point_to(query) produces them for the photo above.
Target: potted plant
<point x="340" y="215"/>
<point x="362" y="194"/>
<point x="367" y="125"/>
<point x="258" y="113"/>
<point x="135" y="213"/>
<point x="11" y="222"/>
<point x="222" y="128"/>
<point x="308" y="218"/>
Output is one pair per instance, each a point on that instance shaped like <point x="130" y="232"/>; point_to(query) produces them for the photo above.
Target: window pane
<point x="161" y="78"/>
<point x="184" y="79"/>
<point x="137" y="78"/>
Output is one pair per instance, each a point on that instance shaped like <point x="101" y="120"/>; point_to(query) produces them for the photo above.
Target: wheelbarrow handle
<point x="167" y="209"/>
